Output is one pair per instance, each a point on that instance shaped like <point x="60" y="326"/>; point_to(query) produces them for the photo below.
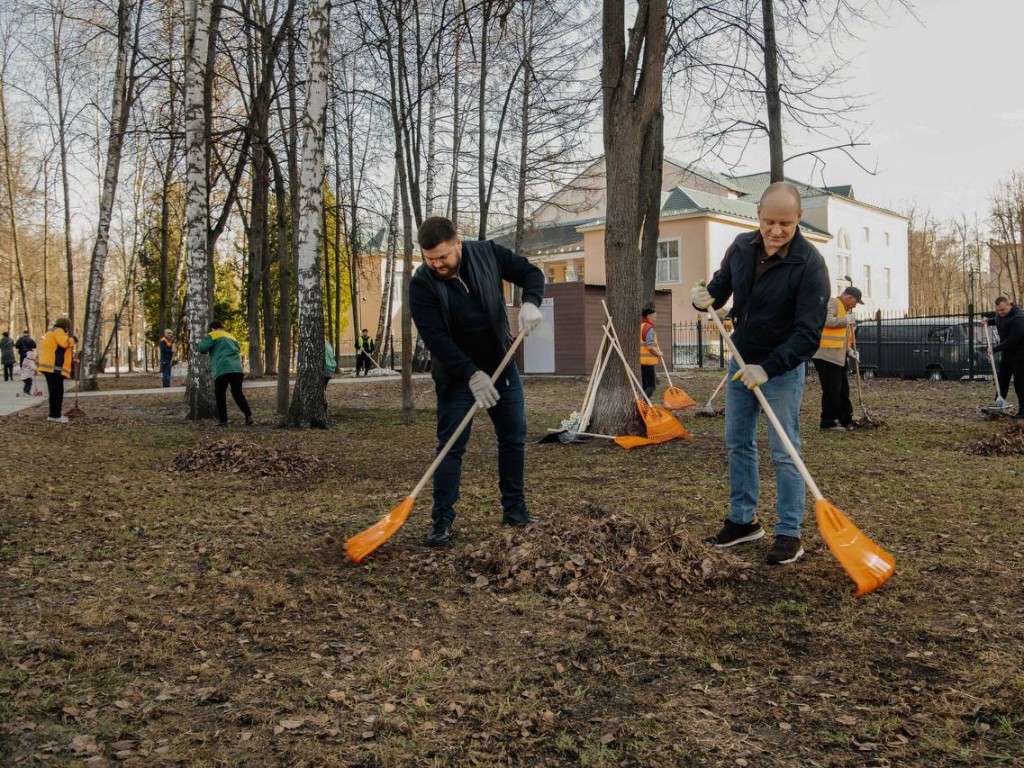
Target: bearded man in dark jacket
<point x="458" y="304"/>
<point x="1010" y="324"/>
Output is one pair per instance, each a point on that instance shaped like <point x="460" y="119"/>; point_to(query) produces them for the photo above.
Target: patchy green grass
<point x="154" y="617"/>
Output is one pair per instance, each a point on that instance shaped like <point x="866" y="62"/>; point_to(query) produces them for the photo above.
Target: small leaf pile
<point x="236" y="456"/>
<point x="600" y="553"/>
<point x="1009" y="443"/>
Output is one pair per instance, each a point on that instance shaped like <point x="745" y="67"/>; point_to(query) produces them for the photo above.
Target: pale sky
<point x="946" y="120"/>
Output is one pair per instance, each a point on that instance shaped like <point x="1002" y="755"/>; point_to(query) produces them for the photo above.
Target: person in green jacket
<point x="330" y="364"/>
<point x="226" y="363"/>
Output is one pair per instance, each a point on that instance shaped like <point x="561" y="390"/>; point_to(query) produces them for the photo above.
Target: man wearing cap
<point x="166" y="355"/>
<point x="830" y="361"/>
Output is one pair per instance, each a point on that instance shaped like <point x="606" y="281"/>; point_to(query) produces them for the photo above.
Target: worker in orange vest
<point x="649" y="351"/>
<point x="830" y="361"/>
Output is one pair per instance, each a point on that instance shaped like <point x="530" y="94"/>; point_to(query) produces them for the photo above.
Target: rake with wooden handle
<point x="1000" y="404"/>
<point x="675" y="398"/>
<point x="865" y="562"/>
<point x="708" y="410"/>
<point x="362" y="544"/>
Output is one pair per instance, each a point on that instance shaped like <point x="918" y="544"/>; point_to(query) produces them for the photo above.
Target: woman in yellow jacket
<point x="55" y="351"/>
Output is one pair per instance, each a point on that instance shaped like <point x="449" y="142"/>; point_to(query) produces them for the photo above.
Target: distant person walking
<point x="226" y="366"/>
<point x="365" y="347"/>
<point x="55" y="353"/>
<point x="23" y="345"/>
<point x="166" y="356"/>
<point x="1010" y="324"/>
<point x="7" y="355"/>
<point x="830" y="361"/>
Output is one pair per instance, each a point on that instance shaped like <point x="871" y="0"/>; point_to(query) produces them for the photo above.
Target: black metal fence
<point x="950" y="346"/>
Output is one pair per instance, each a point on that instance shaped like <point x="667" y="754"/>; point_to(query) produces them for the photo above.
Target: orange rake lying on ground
<point x="865" y="562"/>
<point x="362" y="544"/>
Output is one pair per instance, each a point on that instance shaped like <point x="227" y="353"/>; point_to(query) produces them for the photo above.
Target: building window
<point x="668" y="270"/>
<point x="580" y="274"/>
<point x="867" y="234"/>
<point x="866" y="286"/>
<point x="570" y="273"/>
<point x="887" y="274"/>
<point x="549" y="274"/>
<point x="888" y="240"/>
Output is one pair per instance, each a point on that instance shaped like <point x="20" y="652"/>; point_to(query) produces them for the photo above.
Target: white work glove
<point x="700" y="296"/>
<point x="484" y="392"/>
<point x="751" y="375"/>
<point x="851" y="321"/>
<point x="530" y="318"/>
<point x="853" y="353"/>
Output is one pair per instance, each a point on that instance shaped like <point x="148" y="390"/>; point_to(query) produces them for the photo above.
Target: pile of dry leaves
<point x="241" y="456"/>
<point x="1009" y="443"/>
<point x="600" y="553"/>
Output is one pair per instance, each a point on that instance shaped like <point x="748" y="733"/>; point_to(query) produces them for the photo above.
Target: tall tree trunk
<point x="65" y="172"/>
<point x="387" y="288"/>
<point x="457" y="125"/>
<point x="631" y="79"/>
<point x="481" y="153"/>
<point x="121" y="104"/>
<point x="46" y="243"/>
<point x="12" y="200"/>
<point x="257" y="248"/>
<point x="309" y="404"/>
<point x="200" y="387"/>
<point x="772" y="92"/>
<point x="284" y="266"/>
<point x="652" y="163"/>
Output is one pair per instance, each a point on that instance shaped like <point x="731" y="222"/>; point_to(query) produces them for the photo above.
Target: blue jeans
<point x="165" y="372"/>
<point x="454" y="399"/>
<point x="742" y="412"/>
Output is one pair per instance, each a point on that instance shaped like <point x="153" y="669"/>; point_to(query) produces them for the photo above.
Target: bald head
<point x="782" y="190"/>
<point x="778" y="215"/>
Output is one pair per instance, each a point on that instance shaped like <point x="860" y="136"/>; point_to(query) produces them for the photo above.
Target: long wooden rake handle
<point x="992" y="360"/>
<point x="610" y="330"/>
<point x="465" y="420"/>
<point x="790" y="448"/>
<point x="589" y="410"/>
<point x="718" y="389"/>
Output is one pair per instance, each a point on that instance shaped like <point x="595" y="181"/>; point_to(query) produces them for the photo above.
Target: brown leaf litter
<point x="235" y="456"/>
<point x="600" y="553"/>
<point x="1008" y="443"/>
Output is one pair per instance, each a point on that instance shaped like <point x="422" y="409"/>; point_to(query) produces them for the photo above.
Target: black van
<point x="936" y="348"/>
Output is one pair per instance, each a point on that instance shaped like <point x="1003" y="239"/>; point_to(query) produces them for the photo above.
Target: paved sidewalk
<point x="9" y="403"/>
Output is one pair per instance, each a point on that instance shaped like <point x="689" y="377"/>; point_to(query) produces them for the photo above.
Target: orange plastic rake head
<point x="661" y="425"/>
<point x="676" y="399"/>
<point x="865" y="562"/>
<point x="362" y="544"/>
<point x="632" y="441"/>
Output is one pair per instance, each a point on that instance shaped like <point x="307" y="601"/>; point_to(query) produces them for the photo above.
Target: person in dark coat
<point x="457" y="302"/>
<point x="365" y="349"/>
<point x="1010" y="324"/>
<point x="780" y="290"/>
<point x="7" y="355"/>
<point x="166" y="356"/>
<point x="23" y="345"/>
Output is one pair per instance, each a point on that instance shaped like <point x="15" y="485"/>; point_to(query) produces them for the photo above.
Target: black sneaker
<point x="519" y="518"/>
<point x="249" y="420"/>
<point x="221" y="424"/>
<point x="785" y="550"/>
<point x="833" y="428"/>
<point x="736" y="533"/>
<point x="440" y="533"/>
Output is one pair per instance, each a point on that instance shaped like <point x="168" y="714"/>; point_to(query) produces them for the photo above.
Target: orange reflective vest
<point x="647" y="357"/>
<point x="836" y="338"/>
<point x="55" y="352"/>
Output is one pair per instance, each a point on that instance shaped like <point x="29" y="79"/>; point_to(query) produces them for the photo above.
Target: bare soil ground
<point x="160" y="610"/>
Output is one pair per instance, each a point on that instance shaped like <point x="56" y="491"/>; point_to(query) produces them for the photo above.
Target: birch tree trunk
<point x="631" y="79"/>
<point x="284" y="264"/>
<point x="309" y="403"/>
<point x="120" y="106"/>
<point x="12" y="185"/>
<point x="200" y="387"/>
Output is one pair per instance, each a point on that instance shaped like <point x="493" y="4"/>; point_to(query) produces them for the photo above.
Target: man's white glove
<point x="751" y="376"/>
<point x="530" y="318"/>
<point x="851" y="321"/>
<point x="484" y="392"/>
<point x="854" y="354"/>
<point x="700" y="296"/>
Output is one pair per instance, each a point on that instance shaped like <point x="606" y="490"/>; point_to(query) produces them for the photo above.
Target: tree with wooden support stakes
<point x="631" y="83"/>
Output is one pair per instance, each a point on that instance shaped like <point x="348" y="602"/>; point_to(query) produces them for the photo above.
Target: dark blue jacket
<point x="778" y="319"/>
<point x="489" y="263"/>
<point x="1011" y="333"/>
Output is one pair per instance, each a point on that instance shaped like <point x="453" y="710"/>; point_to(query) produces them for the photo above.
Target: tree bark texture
<point x="772" y="93"/>
<point x="309" y="402"/>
